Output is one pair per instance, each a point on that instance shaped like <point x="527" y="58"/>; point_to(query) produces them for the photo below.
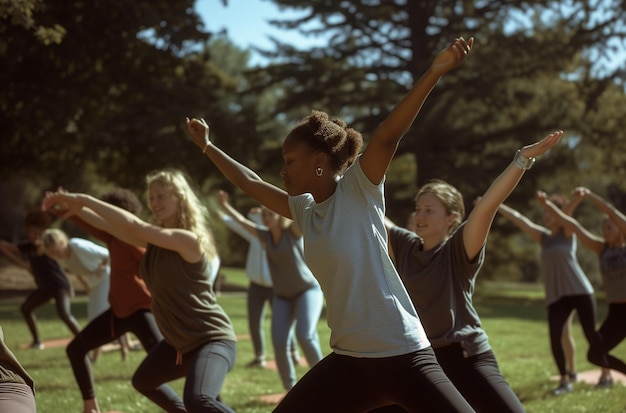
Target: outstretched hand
<point x="541" y="147"/>
<point x="452" y="56"/>
<point x="581" y="192"/>
<point x="198" y="131"/>
<point x="542" y="197"/>
<point x="63" y="202"/>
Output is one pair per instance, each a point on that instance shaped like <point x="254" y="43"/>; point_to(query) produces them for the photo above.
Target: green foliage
<point x="512" y="314"/>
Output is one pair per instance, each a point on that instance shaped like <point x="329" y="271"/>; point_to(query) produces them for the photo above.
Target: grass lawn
<point x="512" y="314"/>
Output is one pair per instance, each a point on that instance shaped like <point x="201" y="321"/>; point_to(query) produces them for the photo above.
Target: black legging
<point x="478" y="378"/>
<point x="345" y="384"/>
<point x="559" y="312"/>
<point x="102" y="330"/>
<point x="610" y="334"/>
<point x="37" y="299"/>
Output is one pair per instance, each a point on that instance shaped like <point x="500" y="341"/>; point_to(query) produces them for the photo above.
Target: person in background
<point x="179" y="268"/>
<point x="439" y="262"/>
<point x="611" y="251"/>
<point x="335" y="196"/>
<point x="260" y="291"/>
<point x="17" y="389"/>
<point x="50" y="278"/>
<point x="567" y="288"/>
<point x="87" y="260"/>
<point x="129" y="298"/>
<point x="297" y="300"/>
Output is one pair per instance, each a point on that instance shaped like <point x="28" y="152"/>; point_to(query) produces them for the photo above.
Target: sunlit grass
<point x="512" y="314"/>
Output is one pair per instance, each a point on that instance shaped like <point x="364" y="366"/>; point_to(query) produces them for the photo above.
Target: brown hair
<point x="38" y="218"/>
<point x="123" y="198"/>
<point x="333" y="137"/>
<point x="449" y="196"/>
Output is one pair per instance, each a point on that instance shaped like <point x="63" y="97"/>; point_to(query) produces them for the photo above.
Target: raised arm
<point x="249" y="225"/>
<point x="383" y="144"/>
<point x="12" y="252"/>
<point x="618" y="218"/>
<point x="589" y="240"/>
<point x="182" y="241"/>
<point x="246" y="179"/>
<point x="480" y="219"/>
<point x="527" y="226"/>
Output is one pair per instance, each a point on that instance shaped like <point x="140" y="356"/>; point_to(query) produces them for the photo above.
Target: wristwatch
<point x="522" y="162"/>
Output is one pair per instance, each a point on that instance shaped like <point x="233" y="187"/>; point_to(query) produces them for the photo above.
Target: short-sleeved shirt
<point x="128" y="292"/>
<point x="257" y="267"/>
<point x="11" y="371"/>
<point x="290" y="274"/>
<point x="613" y="270"/>
<point x="441" y="283"/>
<point x="562" y="274"/>
<point x="48" y="274"/>
<point x="368" y="309"/>
<point x="89" y="260"/>
<point x="183" y="301"/>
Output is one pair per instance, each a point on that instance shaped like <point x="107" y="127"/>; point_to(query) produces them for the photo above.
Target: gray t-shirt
<point x="369" y="311"/>
<point x="290" y="274"/>
<point x="613" y="269"/>
<point x="441" y="283"/>
<point x="562" y="274"/>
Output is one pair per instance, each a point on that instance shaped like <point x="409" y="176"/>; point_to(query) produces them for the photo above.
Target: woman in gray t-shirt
<point x="611" y="251"/>
<point x="297" y="301"/>
<point x="439" y="263"/>
<point x="567" y="288"/>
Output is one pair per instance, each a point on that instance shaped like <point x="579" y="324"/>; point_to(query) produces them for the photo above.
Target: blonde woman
<point x="179" y="267"/>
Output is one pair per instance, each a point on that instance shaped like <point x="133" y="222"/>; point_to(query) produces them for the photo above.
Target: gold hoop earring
<point x="319" y="171"/>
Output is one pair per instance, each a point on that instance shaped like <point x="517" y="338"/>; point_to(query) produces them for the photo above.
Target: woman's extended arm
<point x="182" y="241"/>
<point x="382" y="147"/>
<point x="246" y="179"/>
<point x="248" y="225"/>
<point x="527" y="226"/>
<point x="591" y="241"/>
<point x="618" y="218"/>
<point x="480" y="219"/>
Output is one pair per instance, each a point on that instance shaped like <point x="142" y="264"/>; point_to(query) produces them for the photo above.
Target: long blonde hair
<point x="192" y="214"/>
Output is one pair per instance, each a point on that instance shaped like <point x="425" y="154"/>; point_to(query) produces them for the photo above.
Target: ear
<point x="319" y="159"/>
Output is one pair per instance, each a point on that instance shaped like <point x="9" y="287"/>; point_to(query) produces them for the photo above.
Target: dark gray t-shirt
<point x="290" y="274"/>
<point x="441" y="283"/>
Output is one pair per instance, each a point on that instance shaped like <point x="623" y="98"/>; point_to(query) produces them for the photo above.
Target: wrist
<point x="523" y="162"/>
<point x="206" y="146"/>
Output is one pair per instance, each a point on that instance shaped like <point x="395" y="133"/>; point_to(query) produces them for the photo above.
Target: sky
<point x="246" y="22"/>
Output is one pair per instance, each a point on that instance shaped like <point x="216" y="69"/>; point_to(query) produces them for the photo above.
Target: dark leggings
<point x="102" y="330"/>
<point x="559" y="312"/>
<point x="611" y="333"/>
<point x="204" y="369"/>
<point x="37" y="299"/>
<point x="479" y="380"/>
<point x="344" y="384"/>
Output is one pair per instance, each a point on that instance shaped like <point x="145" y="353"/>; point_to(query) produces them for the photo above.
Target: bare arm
<point x="480" y="219"/>
<point x="618" y="218"/>
<point x="12" y="252"/>
<point x="246" y="179"/>
<point x="182" y="241"/>
<point x="528" y="227"/>
<point x="589" y="240"/>
<point x="246" y="223"/>
<point x="383" y="145"/>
